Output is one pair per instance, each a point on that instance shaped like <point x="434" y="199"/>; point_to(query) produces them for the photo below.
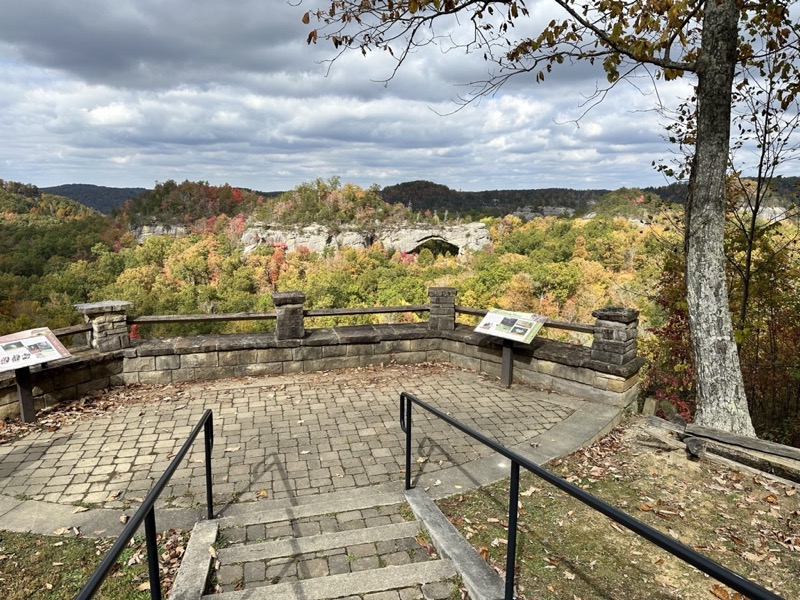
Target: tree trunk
<point x="722" y="403"/>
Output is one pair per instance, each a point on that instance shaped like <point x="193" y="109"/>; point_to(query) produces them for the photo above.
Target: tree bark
<point x="722" y="403"/>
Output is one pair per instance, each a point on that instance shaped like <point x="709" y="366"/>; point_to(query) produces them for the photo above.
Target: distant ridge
<point x="101" y="198"/>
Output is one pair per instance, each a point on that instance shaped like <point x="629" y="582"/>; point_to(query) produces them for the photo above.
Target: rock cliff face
<point x="316" y="238"/>
<point x="146" y="231"/>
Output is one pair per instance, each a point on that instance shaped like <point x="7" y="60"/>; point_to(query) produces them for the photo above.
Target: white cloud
<point x="128" y="94"/>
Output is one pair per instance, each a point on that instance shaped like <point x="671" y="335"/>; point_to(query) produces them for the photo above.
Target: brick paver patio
<point x="275" y="437"/>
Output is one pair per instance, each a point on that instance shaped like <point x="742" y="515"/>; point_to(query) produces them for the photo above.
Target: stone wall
<point x="65" y="380"/>
<point x="563" y="368"/>
<point x="607" y="371"/>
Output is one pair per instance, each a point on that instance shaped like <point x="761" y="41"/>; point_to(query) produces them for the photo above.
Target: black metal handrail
<point x="671" y="545"/>
<point x="146" y="513"/>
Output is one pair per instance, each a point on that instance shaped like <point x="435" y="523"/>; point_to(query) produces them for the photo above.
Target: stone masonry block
<point x="585" y="376"/>
<point x="614" y="346"/>
<point x="72" y="377"/>
<point x="618" y="314"/>
<point x="144" y="363"/>
<point x="333" y="351"/>
<point x="437" y="356"/>
<point x="168" y="363"/>
<point x="106" y="369"/>
<point x="361" y="350"/>
<point x="491" y="368"/>
<point x="234" y="358"/>
<point x="307" y="353"/>
<point x="292" y="366"/>
<point x="92" y="386"/>
<point x="199" y="360"/>
<point x="274" y="355"/>
<point x="442" y="292"/>
<point x="109" y="344"/>
<point x="184" y="374"/>
<point x="209" y="373"/>
<point x="156" y="377"/>
<point x="613" y="358"/>
<point x="467" y="362"/>
<point x="408" y="358"/>
<point x="257" y="370"/>
<point x="617" y="335"/>
<point x="441" y="323"/>
<point x="284" y="298"/>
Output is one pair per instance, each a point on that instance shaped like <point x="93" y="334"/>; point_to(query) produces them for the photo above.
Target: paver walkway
<point x="282" y="437"/>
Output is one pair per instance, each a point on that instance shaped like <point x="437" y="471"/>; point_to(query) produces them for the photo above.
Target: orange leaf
<point x="720" y="592"/>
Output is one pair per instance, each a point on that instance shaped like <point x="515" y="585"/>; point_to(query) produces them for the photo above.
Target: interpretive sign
<point x="516" y="326"/>
<point x="31" y="347"/>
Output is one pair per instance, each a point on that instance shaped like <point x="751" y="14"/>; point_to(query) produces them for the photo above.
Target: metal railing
<point x="671" y="545"/>
<point x="146" y="514"/>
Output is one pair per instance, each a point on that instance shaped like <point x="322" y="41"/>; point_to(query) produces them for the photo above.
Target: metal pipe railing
<point x="671" y="545"/>
<point x="146" y="514"/>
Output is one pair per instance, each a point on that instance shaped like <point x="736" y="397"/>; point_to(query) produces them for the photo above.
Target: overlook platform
<point x="281" y="438"/>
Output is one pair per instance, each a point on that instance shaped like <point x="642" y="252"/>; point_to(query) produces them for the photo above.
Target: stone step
<point x="316" y="543"/>
<point x="330" y="522"/>
<point x="319" y="545"/>
<point x="329" y="546"/>
<point x="418" y="575"/>
<point x="312" y="506"/>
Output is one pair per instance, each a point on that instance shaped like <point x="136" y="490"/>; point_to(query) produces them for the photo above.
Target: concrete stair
<point x="358" y="544"/>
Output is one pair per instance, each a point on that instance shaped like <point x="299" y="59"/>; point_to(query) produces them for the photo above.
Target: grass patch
<point x="748" y="523"/>
<point x="56" y="567"/>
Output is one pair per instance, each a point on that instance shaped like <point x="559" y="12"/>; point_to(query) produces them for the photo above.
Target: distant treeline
<point x="419" y="196"/>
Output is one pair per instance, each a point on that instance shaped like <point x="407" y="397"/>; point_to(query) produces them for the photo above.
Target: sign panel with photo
<point x="517" y="326"/>
<point x="31" y="347"/>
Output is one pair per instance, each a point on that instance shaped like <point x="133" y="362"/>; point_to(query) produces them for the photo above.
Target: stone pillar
<point x="289" y="308"/>
<point x="615" y="335"/>
<point x="443" y="308"/>
<point x="109" y="325"/>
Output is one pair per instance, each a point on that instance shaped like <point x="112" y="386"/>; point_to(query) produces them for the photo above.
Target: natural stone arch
<point x="438" y="245"/>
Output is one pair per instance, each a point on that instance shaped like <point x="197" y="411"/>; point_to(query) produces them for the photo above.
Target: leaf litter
<point x="748" y="522"/>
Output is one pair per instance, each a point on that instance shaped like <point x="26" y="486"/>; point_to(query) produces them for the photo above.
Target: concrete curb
<point x="190" y="582"/>
<point x="481" y="580"/>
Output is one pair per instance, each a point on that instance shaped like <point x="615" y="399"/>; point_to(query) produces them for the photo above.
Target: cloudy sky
<point x="130" y="93"/>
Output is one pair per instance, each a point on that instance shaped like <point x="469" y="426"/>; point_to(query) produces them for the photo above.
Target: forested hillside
<point x="101" y="198"/>
<point x="425" y="195"/>
<point x="55" y="252"/>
